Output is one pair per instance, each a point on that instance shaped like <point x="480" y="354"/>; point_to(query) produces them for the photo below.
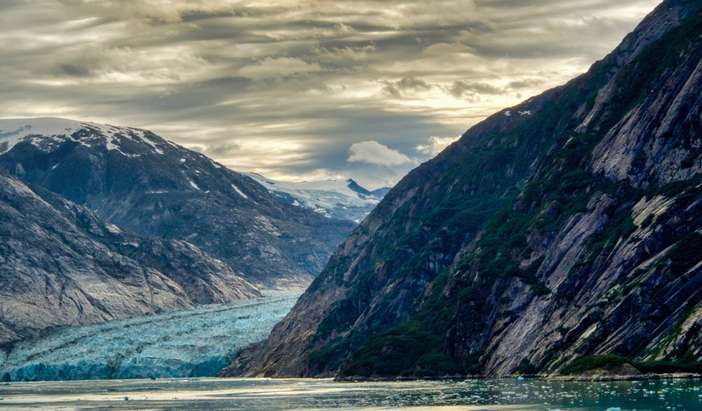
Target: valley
<point x="543" y="254"/>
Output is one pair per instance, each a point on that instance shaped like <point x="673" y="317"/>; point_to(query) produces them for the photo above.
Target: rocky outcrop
<point x="61" y="265"/>
<point x="565" y="227"/>
<point x="151" y="187"/>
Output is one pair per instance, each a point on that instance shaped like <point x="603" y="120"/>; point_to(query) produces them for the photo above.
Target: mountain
<point x="151" y="187"/>
<point x="61" y="265"/>
<point x="550" y="235"/>
<point x="338" y="199"/>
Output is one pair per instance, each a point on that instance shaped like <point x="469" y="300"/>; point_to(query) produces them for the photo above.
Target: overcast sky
<point x="299" y="89"/>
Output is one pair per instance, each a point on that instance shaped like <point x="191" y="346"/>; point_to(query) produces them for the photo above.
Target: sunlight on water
<point x="267" y="394"/>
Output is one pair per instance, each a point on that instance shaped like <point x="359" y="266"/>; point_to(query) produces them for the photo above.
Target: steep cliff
<point x="60" y="265"/>
<point x="152" y="187"/>
<point x="565" y="227"/>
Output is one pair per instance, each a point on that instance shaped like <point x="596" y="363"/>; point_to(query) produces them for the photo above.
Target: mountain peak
<point x="47" y="134"/>
<point x="354" y="186"/>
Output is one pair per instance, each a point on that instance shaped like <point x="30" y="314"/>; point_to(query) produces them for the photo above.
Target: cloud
<point x="435" y="145"/>
<point x="286" y="89"/>
<point x="278" y="67"/>
<point x="372" y="152"/>
<point x="460" y="88"/>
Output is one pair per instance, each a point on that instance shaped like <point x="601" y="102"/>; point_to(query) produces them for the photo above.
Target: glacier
<point x="190" y="343"/>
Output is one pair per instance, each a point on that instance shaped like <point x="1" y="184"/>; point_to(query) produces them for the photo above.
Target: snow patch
<point x="47" y="133"/>
<point x="241" y="193"/>
<point x="113" y="229"/>
<point x="193" y="185"/>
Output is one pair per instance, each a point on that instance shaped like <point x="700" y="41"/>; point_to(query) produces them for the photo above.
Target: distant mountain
<point x="338" y="199"/>
<point x="151" y="187"/>
<point x="560" y="235"/>
<point x="61" y="265"/>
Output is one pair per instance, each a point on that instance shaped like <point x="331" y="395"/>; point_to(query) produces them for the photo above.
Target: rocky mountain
<point x="556" y="232"/>
<point x="152" y="187"/>
<point x="61" y="265"/>
<point x="337" y="199"/>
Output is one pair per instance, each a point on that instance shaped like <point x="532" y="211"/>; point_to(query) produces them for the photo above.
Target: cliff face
<point x="570" y="225"/>
<point x="60" y="265"/>
<point x="149" y="186"/>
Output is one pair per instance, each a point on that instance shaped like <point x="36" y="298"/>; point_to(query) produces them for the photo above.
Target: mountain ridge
<point x="152" y="187"/>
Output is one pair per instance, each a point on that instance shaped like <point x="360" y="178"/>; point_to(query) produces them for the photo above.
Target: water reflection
<point x="267" y="394"/>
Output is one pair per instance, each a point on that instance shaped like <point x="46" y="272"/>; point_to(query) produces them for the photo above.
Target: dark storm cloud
<point x="302" y="89"/>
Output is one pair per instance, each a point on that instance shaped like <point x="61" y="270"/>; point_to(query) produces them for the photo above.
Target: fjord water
<point x="188" y="343"/>
<point x="278" y="394"/>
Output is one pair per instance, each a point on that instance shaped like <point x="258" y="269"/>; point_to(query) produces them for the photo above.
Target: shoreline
<point x="565" y="378"/>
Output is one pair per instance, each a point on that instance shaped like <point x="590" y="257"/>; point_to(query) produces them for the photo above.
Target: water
<point x="279" y="394"/>
<point x="188" y="343"/>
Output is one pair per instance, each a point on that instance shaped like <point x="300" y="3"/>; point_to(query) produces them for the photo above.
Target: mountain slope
<point x="149" y="186"/>
<point x="60" y="265"/>
<point x="343" y="200"/>
<point x="564" y="227"/>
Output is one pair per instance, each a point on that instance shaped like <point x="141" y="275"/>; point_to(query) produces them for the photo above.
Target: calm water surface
<point x="279" y="394"/>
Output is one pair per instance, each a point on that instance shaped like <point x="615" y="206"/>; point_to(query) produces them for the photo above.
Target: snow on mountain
<point x="48" y="133"/>
<point x="341" y="199"/>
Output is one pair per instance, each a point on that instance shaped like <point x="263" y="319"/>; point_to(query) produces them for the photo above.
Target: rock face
<point x="61" y="265"/>
<point x="567" y="226"/>
<point x="151" y="187"/>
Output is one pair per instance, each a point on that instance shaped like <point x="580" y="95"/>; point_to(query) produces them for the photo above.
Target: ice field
<point x="190" y="343"/>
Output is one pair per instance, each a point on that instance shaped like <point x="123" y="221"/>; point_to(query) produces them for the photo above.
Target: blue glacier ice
<point x="191" y="343"/>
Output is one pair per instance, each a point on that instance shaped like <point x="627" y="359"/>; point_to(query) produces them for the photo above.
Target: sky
<point x="299" y="90"/>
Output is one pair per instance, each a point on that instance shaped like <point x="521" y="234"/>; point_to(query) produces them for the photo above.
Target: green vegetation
<point x="410" y="349"/>
<point x="665" y="367"/>
<point x="587" y="363"/>
<point x="685" y="254"/>
<point x="413" y="348"/>
<point x="329" y="356"/>
<point x="649" y="65"/>
<point x="526" y="368"/>
<point x="611" y="361"/>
